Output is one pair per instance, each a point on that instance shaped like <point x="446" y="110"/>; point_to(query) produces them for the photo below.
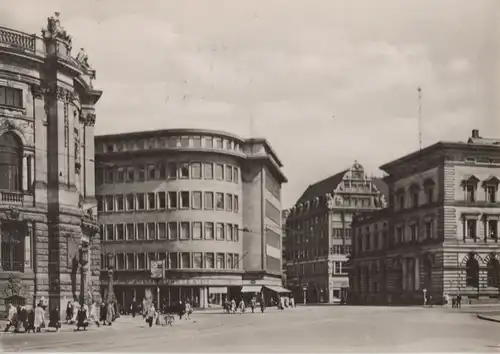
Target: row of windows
<point x="206" y="142"/>
<point x="184" y="230"/>
<point x="10" y="96"/>
<point x="176" y="260"/>
<point x="305" y="254"/>
<point x="490" y="228"/>
<point x="196" y="200"/>
<point x="170" y="171"/>
<point x="471" y="194"/>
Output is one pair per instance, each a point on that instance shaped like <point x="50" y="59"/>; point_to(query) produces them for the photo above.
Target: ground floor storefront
<point x="326" y="289"/>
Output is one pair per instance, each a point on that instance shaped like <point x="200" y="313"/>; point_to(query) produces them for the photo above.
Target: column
<point x="205" y="296"/>
<point x="32" y="172"/>
<point x="28" y="238"/>
<point x="404" y="270"/>
<point x="202" y="297"/>
<point x="25" y="172"/>
<point x="417" y="273"/>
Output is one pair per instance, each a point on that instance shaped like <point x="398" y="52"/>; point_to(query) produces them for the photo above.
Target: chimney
<point x="475" y="133"/>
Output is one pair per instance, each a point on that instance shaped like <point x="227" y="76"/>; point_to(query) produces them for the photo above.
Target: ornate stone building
<point x="47" y="204"/>
<point x="318" y="241"/>
<point x="207" y="204"/>
<point x="440" y="232"/>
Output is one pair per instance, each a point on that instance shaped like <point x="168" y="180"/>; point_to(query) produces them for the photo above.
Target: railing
<point x="17" y="39"/>
<point x="12" y="197"/>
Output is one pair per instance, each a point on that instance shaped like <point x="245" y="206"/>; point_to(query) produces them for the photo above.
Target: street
<point x="303" y="329"/>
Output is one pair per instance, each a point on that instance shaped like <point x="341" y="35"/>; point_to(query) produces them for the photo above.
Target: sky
<point x="326" y="82"/>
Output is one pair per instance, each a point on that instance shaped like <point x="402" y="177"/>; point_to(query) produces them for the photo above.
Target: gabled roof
<point x="484" y="141"/>
<point x="323" y="187"/>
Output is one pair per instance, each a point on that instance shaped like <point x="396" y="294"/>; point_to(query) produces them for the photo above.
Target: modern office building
<point x="47" y="116"/>
<point x="208" y="203"/>
<point x="318" y="241"/>
<point x="439" y="234"/>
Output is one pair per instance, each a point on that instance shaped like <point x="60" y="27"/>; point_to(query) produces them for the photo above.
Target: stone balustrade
<point x="17" y="39"/>
<point x="12" y="197"/>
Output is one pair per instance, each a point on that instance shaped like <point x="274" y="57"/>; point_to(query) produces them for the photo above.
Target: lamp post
<point x="111" y="267"/>
<point x="83" y="253"/>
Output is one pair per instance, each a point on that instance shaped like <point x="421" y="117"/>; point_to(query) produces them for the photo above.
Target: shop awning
<point x="217" y="290"/>
<point x="278" y="289"/>
<point x="251" y="289"/>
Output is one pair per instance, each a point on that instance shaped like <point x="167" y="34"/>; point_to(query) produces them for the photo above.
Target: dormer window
<point x="469" y="183"/>
<point x="491" y="188"/>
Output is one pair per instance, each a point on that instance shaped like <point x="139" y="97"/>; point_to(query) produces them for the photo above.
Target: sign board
<point x="157" y="269"/>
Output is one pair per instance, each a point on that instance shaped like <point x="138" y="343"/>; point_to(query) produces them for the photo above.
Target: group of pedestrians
<point x="154" y="314"/>
<point x="281" y="302"/>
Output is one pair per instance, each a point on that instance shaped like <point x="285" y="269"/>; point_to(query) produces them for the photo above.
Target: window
<point x="130" y="175"/>
<point x="493" y="229"/>
<point x="221" y="261"/>
<point x="140" y="201"/>
<point x="209" y="170"/>
<point x="197" y="260"/>
<point x="120" y="175"/>
<point x="110" y="234"/>
<point x="227" y="144"/>
<point x="172" y="230"/>
<point x="429" y="194"/>
<point x="184" y="199"/>
<point x="401" y="199"/>
<point x="218" y="143"/>
<point x="219" y="201"/>
<point x="10" y="96"/>
<point x="185" y="260"/>
<point x="493" y="273"/>
<point x="184" y="141"/>
<point x="428" y="230"/>
<point x="185" y="231"/>
<point x="141" y="261"/>
<point x="414" y="198"/>
<point x="172" y="200"/>
<point x="209" y="200"/>
<point x="400" y="235"/>
<point x="229" y="262"/>
<point x="229" y="202"/>
<point x="100" y="203"/>
<point x="130" y="202"/>
<point x="236" y="175"/>
<point x="162" y="230"/>
<point x="171" y="170"/>
<point x="413" y="233"/>
<point x="173" y="261"/>
<point x="236" y="233"/>
<point x="197" y="232"/>
<point x="220" y="231"/>
<point x="229" y="232"/>
<point x="491" y="192"/>
<point x="209" y="260"/>
<point x="197" y="142"/>
<point x="162" y="202"/>
<point x="236" y="204"/>
<point x="110" y="175"/>
<point x="141" y="173"/>
<point x="13" y="246"/>
<point x="471" y="225"/>
<point x="196" y="200"/>
<point x="470" y="192"/>
<point x="209" y="142"/>
<point x="472" y="272"/>
<point x="120" y="232"/>
<point x="161" y="171"/>
<point x="141" y="231"/>
<point x="151" y="172"/>
<point x="109" y="203"/>
<point x="130" y="232"/>
<point x="120" y="203"/>
<point x="99" y="176"/>
<point x="229" y="173"/>
<point x="151" y="231"/>
<point x="184" y="170"/>
<point x="196" y="170"/>
<point x="219" y="172"/>
<point x="151" y="201"/>
<point x="120" y="261"/>
<point x="209" y="231"/>
<point x="130" y="261"/>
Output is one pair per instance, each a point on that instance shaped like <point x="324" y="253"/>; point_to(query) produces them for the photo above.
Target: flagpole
<point x="420" y="118"/>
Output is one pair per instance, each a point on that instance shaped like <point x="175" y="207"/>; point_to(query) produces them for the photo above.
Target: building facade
<point x="319" y="233"/>
<point x="206" y="203"/>
<point x="440" y="229"/>
<point x="48" y="219"/>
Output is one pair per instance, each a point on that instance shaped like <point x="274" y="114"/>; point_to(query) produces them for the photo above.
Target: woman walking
<point x="39" y="318"/>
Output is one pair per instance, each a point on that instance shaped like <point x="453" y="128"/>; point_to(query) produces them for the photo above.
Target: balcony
<point x="16" y="198"/>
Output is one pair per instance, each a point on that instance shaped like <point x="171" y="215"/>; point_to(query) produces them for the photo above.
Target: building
<point x="318" y="241"/>
<point x="440" y="230"/>
<point x="208" y="203"/>
<point x="47" y="206"/>
<point x="284" y="216"/>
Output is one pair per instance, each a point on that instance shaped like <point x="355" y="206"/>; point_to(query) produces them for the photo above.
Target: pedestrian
<point x="39" y="318"/>
<point x="93" y="318"/>
<point x="81" y="319"/>
<point x="54" y="319"/>
<point x="188" y="310"/>
<point x="459" y="301"/>
<point x="133" y="308"/>
<point x="233" y="306"/>
<point x="453" y="302"/>
<point x="69" y="311"/>
<point x="103" y="313"/>
<point x="292" y="301"/>
<point x="446" y="300"/>
<point x="241" y="306"/>
<point x="30" y="320"/>
<point x="262" y="304"/>
<point x="253" y="303"/>
<point x="11" y="317"/>
<point x="150" y="315"/>
<point x="181" y="308"/>
<point x="110" y="313"/>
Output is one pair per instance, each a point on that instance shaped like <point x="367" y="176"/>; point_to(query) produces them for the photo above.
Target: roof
<point x="166" y="132"/>
<point x="323" y="187"/>
<point x="485" y="141"/>
<point x="381" y="186"/>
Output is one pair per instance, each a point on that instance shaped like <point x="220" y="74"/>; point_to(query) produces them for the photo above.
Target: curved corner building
<point x="48" y="216"/>
<point x="206" y="202"/>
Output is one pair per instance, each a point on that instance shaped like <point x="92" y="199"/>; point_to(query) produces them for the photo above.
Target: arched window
<point x="11" y="159"/>
<point x="494" y="273"/>
<point x="472" y="271"/>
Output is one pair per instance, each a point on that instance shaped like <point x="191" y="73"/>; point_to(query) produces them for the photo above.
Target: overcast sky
<point x="326" y="82"/>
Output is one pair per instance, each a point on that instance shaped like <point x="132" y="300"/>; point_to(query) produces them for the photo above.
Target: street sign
<point x="157" y="269"/>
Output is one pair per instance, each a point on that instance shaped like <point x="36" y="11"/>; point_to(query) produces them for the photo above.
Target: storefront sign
<point x="157" y="269"/>
<point x="182" y="282"/>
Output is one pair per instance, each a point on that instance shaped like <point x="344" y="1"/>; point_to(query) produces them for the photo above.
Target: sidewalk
<point x="493" y="317"/>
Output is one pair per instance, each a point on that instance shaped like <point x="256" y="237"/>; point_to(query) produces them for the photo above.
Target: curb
<point x="485" y="318"/>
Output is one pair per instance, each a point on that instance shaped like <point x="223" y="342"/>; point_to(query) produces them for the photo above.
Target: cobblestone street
<point x="304" y="329"/>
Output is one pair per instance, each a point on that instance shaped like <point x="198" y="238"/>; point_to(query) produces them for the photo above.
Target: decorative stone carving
<point x="88" y="119"/>
<point x="7" y="124"/>
<point x="37" y="91"/>
<point x="83" y="59"/>
<point x="15" y="286"/>
<point x="55" y="30"/>
<point x="330" y="201"/>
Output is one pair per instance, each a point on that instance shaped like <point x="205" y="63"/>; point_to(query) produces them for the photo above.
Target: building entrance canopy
<point x="251" y="289"/>
<point x="278" y="289"/>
